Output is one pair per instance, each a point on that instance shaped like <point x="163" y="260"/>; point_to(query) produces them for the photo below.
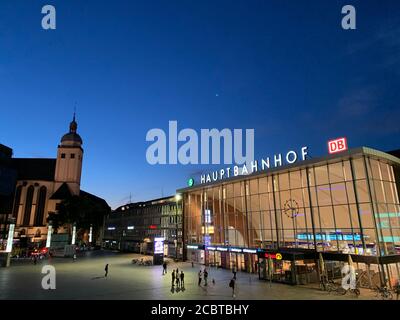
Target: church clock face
<point x="291" y="208"/>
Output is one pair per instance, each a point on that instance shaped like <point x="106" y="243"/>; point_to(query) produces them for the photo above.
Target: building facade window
<point x="40" y="207"/>
<point x="28" y="205"/>
<point x="17" y="201"/>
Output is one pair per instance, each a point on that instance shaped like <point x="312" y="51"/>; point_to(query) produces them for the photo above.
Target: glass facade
<point x="346" y="205"/>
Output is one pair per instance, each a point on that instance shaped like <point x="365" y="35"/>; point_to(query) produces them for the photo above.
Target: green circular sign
<point x="190" y="182"/>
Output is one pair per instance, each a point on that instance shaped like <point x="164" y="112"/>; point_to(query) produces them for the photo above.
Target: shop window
<point x="321" y="175"/>
<point x="336" y="173"/>
<point x="268" y="235"/>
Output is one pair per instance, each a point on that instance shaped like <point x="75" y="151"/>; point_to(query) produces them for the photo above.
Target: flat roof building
<point x="322" y="209"/>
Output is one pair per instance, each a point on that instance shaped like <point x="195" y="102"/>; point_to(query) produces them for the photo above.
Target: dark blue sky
<point x="285" y="68"/>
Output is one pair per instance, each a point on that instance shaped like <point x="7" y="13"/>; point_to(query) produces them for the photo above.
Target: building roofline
<point x="298" y="165"/>
<point x="152" y="201"/>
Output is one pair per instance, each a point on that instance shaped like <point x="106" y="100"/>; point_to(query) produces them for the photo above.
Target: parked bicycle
<point x="383" y="292"/>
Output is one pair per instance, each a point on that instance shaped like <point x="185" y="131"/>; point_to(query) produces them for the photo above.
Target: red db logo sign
<point x="337" y="145"/>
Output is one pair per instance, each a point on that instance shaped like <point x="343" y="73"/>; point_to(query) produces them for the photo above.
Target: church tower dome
<point x="72" y="138"/>
<point x="69" y="160"/>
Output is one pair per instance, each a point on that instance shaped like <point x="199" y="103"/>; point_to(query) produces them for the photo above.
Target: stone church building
<point x="41" y="184"/>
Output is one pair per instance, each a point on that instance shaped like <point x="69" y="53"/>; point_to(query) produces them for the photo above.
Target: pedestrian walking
<point x="74" y="257"/>
<point x="106" y="271"/>
<point x="213" y="282"/>
<point x="205" y="276"/>
<point x="34" y="259"/>
<point x="173" y="277"/>
<point x="232" y="285"/>
<point x="234" y="272"/>
<point x="164" y="268"/>
<point x="182" y="279"/>
<point x="192" y="264"/>
<point x="177" y="272"/>
<point x="199" y="277"/>
<point x="177" y="281"/>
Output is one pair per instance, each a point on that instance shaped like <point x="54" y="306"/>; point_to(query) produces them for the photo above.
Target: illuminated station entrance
<point x="322" y="209"/>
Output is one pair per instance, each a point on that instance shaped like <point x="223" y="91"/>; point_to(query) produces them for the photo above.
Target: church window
<point x="62" y="155"/>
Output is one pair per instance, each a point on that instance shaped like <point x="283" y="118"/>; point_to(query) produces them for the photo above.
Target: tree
<point x="84" y="210"/>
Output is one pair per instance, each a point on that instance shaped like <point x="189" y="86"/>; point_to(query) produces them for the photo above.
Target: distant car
<point x="38" y="252"/>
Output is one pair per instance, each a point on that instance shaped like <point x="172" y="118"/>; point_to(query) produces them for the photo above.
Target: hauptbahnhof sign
<point x="266" y="163"/>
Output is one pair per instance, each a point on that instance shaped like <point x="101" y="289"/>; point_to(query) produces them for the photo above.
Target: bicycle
<point x="343" y="291"/>
<point x="384" y="293"/>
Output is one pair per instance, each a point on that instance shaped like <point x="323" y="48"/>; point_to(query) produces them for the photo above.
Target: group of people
<point x="178" y="278"/>
<point x="204" y="274"/>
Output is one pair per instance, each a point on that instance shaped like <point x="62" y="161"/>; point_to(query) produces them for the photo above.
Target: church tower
<point x="69" y="160"/>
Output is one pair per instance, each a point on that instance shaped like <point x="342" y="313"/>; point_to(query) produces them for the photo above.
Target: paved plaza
<point x="84" y="279"/>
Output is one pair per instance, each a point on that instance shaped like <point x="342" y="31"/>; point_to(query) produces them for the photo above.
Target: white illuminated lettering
<point x="265" y="163"/>
<point x="294" y="157"/>
<point x="278" y="160"/>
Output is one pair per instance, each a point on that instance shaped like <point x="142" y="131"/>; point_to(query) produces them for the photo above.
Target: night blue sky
<point x="285" y="68"/>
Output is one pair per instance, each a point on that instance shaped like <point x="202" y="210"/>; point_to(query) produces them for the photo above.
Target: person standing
<point x="205" y="276"/>
<point x="173" y="277"/>
<point x="177" y="280"/>
<point x="74" y="257"/>
<point x="34" y="259"/>
<point x="164" y="268"/>
<point x="199" y="277"/>
<point x="106" y="270"/>
<point x="234" y="272"/>
<point x="192" y="264"/>
<point x="232" y="285"/>
<point x="182" y="279"/>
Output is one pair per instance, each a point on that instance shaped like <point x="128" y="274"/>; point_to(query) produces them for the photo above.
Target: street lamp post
<point x="177" y="198"/>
